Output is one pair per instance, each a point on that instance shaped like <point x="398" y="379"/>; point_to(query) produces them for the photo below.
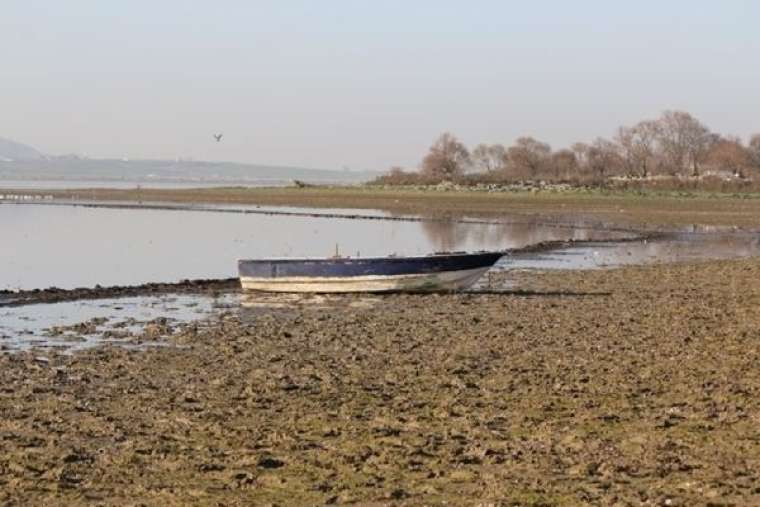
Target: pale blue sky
<point x="364" y="84"/>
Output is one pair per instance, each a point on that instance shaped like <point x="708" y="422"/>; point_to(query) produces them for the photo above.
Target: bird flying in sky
<point x="218" y="137"/>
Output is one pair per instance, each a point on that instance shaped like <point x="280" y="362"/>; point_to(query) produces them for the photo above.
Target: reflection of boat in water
<point x="431" y="273"/>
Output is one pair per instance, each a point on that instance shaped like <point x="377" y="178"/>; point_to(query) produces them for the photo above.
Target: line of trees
<point x="674" y="145"/>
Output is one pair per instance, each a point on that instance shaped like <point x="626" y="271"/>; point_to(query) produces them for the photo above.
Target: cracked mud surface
<point x="631" y="386"/>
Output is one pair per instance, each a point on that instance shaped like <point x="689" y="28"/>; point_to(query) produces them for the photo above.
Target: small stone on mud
<point x="211" y="467"/>
<point x="269" y="462"/>
<point x="398" y="494"/>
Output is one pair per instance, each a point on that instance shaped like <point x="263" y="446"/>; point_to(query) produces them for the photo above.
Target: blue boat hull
<point x="381" y="274"/>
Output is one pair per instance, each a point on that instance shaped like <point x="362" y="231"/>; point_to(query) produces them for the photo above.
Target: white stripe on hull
<point x="425" y="282"/>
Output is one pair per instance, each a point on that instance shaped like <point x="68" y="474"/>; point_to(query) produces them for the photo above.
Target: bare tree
<point x="637" y="146"/>
<point x="684" y="140"/>
<point x="676" y="142"/>
<point x="730" y="155"/>
<point x="581" y="154"/>
<point x="564" y="164"/>
<point x="603" y="158"/>
<point x="754" y="150"/>
<point x="489" y="157"/>
<point x="447" y="157"/>
<point x="626" y="141"/>
<point x="528" y="156"/>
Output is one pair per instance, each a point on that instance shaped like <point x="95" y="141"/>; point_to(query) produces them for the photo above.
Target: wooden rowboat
<point x="430" y="273"/>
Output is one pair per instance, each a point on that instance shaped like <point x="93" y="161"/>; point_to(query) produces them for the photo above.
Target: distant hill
<point x="146" y="171"/>
<point x="11" y="151"/>
<point x="21" y="162"/>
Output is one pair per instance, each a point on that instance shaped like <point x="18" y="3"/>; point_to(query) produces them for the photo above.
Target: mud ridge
<point x="56" y="295"/>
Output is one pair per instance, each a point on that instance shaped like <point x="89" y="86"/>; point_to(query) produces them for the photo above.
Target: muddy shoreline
<point x="634" y="386"/>
<point x="626" y="386"/>
<point x="56" y="295"/>
<point x="214" y="287"/>
<point x="642" y="212"/>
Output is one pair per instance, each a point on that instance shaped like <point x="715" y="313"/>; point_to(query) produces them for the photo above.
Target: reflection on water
<point x="130" y="321"/>
<point x="453" y="236"/>
<point x="148" y="320"/>
<point x="672" y="248"/>
<point x="70" y="246"/>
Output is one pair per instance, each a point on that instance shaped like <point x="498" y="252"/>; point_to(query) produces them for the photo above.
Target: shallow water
<point x="76" y="325"/>
<point x="74" y="246"/>
<point x="66" y="245"/>
<point x="676" y="247"/>
<point x="130" y="184"/>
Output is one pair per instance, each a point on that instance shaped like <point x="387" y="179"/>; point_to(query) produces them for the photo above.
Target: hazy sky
<point x="364" y="84"/>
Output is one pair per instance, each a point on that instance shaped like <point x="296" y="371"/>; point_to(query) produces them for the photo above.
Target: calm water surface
<point x="74" y="246"/>
<point x="70" y="246"/>
<point x="128" y="184"/>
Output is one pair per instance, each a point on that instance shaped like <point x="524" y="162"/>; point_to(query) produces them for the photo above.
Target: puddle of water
<point x="673" y="248"/>
<point x="129" y="321"/>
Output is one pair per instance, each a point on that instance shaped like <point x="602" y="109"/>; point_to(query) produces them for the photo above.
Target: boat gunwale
<point x="483" y="253"/>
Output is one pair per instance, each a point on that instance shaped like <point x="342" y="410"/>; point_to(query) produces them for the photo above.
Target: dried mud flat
<point x="631" y="386"/>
